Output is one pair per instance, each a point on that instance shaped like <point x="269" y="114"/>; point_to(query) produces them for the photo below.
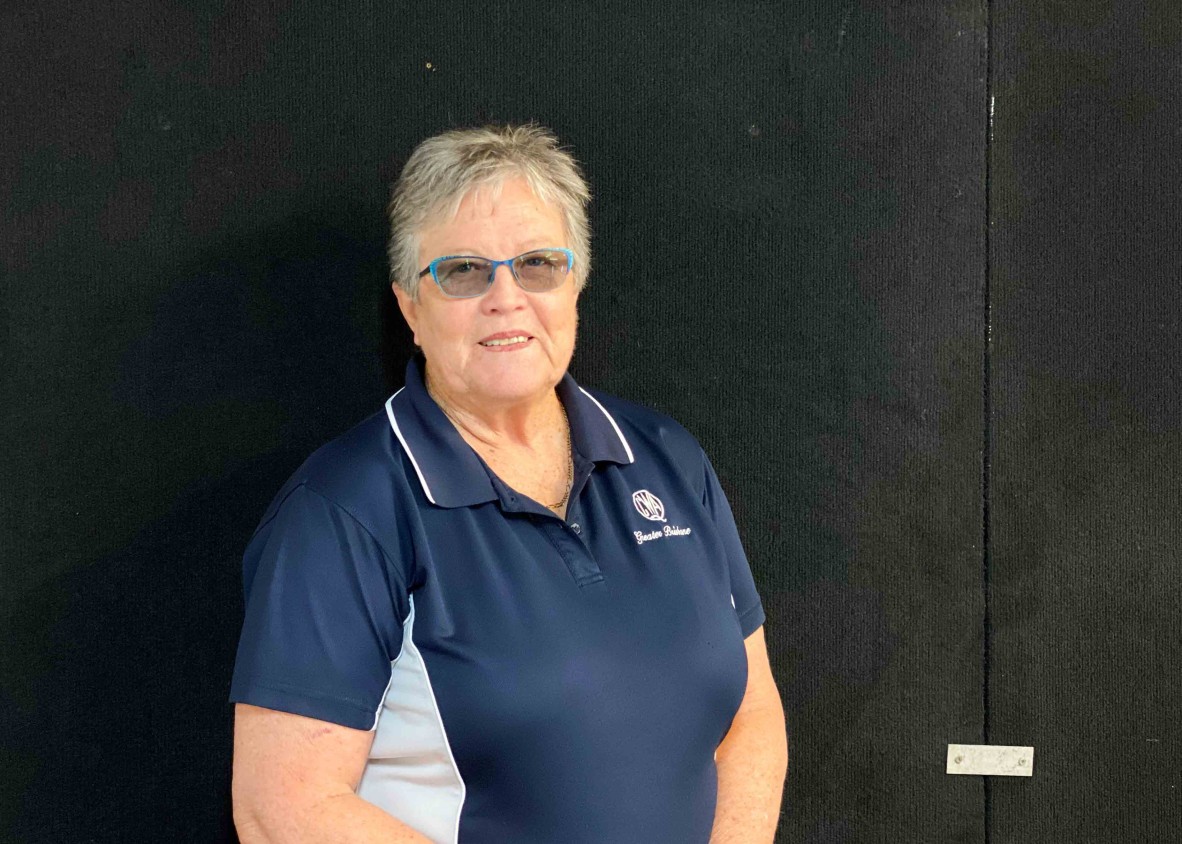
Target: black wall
<point x="1086" y="639"/>
<point x="934" y="355"/>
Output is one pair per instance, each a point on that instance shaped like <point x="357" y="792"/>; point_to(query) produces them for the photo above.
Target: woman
<point x="504" y="609"/>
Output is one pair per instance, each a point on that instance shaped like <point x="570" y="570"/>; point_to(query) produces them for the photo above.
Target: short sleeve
<point x="324" y="613"/>
<point x="743" y="594"/>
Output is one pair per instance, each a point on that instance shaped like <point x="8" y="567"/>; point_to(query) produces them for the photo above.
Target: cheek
<point x="564" y="317"/>
<point x="447" y="334"/>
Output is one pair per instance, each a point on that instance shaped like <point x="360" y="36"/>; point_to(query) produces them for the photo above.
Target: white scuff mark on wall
<point x="845" y="22"/>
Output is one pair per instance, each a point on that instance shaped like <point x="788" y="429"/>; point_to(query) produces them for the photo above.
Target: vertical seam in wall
<point x="986" y="420"/>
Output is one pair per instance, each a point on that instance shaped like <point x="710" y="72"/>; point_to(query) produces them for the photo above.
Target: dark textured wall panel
<point x="789" y="259"/>
<point x="873" y="521"/>
<point x="1087" y="361"/>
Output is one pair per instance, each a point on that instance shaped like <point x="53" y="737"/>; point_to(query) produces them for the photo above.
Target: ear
<point x="410" y="310"/>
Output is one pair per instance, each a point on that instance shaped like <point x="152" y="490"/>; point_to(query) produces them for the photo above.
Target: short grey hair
<point x="445" y="168"/>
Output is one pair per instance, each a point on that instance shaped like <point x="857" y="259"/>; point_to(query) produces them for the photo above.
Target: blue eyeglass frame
<point x="492" y="269"/>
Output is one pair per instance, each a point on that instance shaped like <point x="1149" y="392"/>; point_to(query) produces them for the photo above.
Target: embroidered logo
<point x="648" y="505"/>
<point x="653" y="509"/>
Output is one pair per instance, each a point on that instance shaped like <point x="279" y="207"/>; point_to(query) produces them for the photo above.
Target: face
<point x="464" y="340"/>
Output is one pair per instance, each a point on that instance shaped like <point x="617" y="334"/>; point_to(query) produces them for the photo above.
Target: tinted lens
<point x="463" y="277"/>
<point x="541" y="270"/>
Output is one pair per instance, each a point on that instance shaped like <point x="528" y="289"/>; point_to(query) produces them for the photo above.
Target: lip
<point x="505" y="335"/>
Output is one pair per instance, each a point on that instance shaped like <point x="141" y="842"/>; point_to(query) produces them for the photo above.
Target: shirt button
<point x="576" y="527"/>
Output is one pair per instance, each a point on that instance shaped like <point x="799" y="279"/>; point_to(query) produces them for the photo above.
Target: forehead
<point x="497" y="214"/>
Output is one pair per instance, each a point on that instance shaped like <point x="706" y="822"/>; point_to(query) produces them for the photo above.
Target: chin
<point x="508" y="384"/>
<point x="508" y="390"/>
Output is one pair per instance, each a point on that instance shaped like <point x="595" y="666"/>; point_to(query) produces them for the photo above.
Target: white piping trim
<point x="619" y="433"/>
<point x="409" y="453"/>
<point x="442" y="730"/>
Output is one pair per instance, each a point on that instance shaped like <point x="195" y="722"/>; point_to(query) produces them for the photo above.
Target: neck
<point x="519" y="423"/>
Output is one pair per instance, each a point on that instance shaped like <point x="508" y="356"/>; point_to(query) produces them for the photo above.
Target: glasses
<point x="467" y="276"/>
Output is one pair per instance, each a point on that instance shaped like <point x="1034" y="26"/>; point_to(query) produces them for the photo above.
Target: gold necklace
<point x="570" y="461"/>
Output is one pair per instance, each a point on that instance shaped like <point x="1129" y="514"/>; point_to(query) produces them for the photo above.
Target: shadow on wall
<point x="120" y="729"/>
<point x="129" y="726"/>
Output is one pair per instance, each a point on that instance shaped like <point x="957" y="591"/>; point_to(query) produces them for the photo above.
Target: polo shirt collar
<point x="451" y="473"/>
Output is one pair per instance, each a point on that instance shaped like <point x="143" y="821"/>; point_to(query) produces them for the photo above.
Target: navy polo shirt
<point x="527" y="679"/>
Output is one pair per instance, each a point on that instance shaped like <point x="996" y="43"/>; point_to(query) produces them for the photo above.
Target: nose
<point x="503" y="294"/>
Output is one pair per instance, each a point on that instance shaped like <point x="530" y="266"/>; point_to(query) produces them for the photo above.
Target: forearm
<point x="295" y="781"/>
<point x="752" y="762"/>
<point x="341" y="819"/>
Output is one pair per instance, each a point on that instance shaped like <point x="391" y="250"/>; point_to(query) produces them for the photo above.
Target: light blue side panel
<point x="411" y="773"/>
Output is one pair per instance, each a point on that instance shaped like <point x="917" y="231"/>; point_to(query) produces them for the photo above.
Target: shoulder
<point x="360" y="472"/>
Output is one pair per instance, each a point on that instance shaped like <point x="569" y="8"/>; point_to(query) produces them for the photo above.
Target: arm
<point x="753" y="758"/>
<point x="294" y="781"/>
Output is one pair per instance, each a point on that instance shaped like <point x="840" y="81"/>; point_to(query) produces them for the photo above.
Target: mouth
<point x="506" y="340"/>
